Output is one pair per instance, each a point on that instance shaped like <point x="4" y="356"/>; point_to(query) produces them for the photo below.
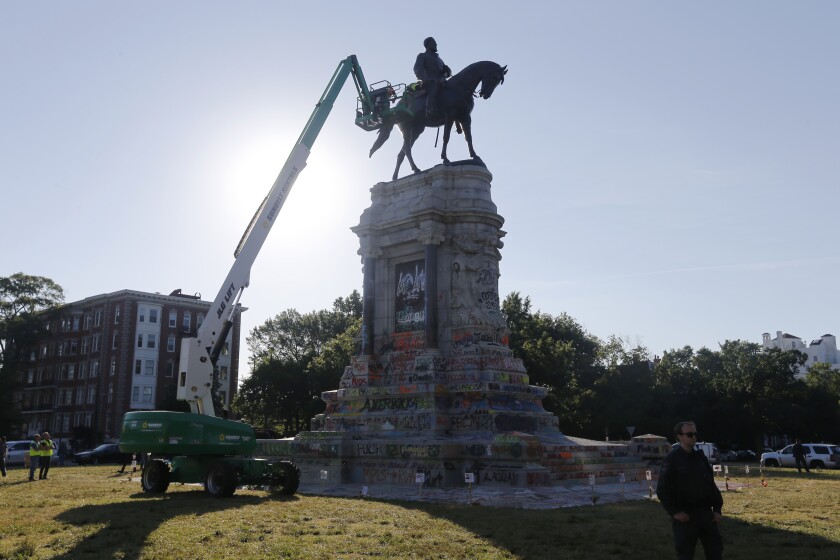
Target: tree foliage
<point x="294" y="358"/>
<point x="22" y="299"/>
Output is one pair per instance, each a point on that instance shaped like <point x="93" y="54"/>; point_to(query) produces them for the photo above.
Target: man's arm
<point x="420" y="67"/>
<point x="665" y="487"/>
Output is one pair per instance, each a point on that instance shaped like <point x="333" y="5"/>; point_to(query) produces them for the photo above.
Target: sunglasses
<point x="689" y="434"/>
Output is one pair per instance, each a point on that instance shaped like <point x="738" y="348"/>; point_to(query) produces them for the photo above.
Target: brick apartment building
<point x="108" y="354"/>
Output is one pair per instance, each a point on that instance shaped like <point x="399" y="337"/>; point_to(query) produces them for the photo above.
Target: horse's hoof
<point x="416" y="171"/>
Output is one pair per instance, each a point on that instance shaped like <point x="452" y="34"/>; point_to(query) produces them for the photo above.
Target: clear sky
<point x="668" y="171"/>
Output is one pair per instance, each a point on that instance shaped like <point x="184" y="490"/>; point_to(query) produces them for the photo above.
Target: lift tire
<point x="285" y="478"/>
<point x="220" y="481"/>
<point x="155" y="477"/>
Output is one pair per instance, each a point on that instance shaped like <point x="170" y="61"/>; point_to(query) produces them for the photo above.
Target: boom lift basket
<point x="382" y="96"/>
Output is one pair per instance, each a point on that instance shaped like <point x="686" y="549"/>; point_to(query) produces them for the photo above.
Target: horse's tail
<point x="381" y="136"/>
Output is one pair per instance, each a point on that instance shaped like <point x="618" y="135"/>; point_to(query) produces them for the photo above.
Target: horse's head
<point x="492" y="78"/>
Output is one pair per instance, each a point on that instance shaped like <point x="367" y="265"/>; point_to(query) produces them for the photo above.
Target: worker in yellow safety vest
<point x="34" y="456"/>
<point x="47" y="448"/>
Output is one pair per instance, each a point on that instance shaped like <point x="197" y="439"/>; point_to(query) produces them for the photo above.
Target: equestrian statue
<point x="435" y="101"/>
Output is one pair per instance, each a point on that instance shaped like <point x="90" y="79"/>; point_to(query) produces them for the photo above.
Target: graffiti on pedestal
<point x="410" y="296"/>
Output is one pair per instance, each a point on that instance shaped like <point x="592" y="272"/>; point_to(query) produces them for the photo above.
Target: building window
<point x="94" y="369"/>
<point x="83" y="367"/>
<point x="141" y="315"/>
<point x="94" y="346"/>
<point x="170" y="369"/>
<point x="135" y="394"/>
<point x="91" y="394"/>
<point x="76" y="321"/>
<point x="170" y="343"/>
<point x="113" y="366"/>
<point x="223" y="396"/>
<point x="88" y="321"/>
<point x="153" y="316"/>
<point x="115" y="340"/>
<point x="117" y="315"/>
<point x="80" y="397"/>
<point x="110" y="393"/>
<point x="151" y="341"/>
<point x="147" y="394"/>
<point x="65" y="427"/>
<point x="138" y="366"/>
<point x="88" y="419"/>
<point x="85" y="345"/>
<point x="187" y="320"/>
<point x="74" y="346"/>
<point x="150" y="367"/>
<point x="225" y="349"/>
<point x="97" y="318"/>
<point x="139" y="341"/>
<point x="223" y="373"/>
<point x="71" y="371"/>
<point x="199" y="320"/>
<point x="173" y="319"/>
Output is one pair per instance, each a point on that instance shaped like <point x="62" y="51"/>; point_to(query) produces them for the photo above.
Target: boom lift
<point x="197" y="446"/>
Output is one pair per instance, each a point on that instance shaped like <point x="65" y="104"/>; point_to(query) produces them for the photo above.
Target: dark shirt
<point x="429" y="66"/>
<point x="798" y="450"/>
<point x="686" y="483"/>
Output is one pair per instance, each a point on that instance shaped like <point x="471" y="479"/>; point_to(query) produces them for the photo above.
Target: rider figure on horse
<point x="432" y="71"/>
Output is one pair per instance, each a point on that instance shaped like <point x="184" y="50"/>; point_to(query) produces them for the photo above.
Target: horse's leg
<point x="409" y="142"/>
<point x="447" y="131"/>
<point x="400" y="158"/>
<point x="467" y="124"/>
<point x="381" y="136"/>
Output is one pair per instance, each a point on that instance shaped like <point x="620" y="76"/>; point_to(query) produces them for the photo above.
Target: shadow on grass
<point x="127" y="525"/>
<point x="628" y="530"/>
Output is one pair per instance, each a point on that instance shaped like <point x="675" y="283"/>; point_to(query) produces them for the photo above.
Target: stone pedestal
<point x="437" y="390"/>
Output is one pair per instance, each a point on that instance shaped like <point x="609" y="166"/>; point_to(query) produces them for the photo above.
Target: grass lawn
<point x="92" y="512"/>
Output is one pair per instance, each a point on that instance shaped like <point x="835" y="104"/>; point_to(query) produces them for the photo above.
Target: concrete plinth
<point x="437" y="390"/>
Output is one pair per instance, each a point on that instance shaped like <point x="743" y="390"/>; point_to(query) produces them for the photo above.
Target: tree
<point x="556" y="351"/>
<point x="22" y="299"/>
<point x="736" y="394"/>
<point x="295" y="357"/>
<point x="22" y="296"/>
<point x="619" y="391"/>
<point x="822" y="402"/>
<point x="291" y="336"/>
<point x="823" y="377"/>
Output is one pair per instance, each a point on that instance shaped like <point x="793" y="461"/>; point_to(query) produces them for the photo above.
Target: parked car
<point x="817" y="456"/>
<point x="728" y="456"/>
<point x="17" y="450"/>
<point x="747" y="455"/>
<point x="105" y="453"/>
<point x="708" y="449"/>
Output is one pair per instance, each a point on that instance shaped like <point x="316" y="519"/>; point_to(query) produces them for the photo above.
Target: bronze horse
<point x="455" y="103"/>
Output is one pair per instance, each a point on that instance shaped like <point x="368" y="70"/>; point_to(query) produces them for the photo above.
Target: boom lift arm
<point x="200" y="353"/>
